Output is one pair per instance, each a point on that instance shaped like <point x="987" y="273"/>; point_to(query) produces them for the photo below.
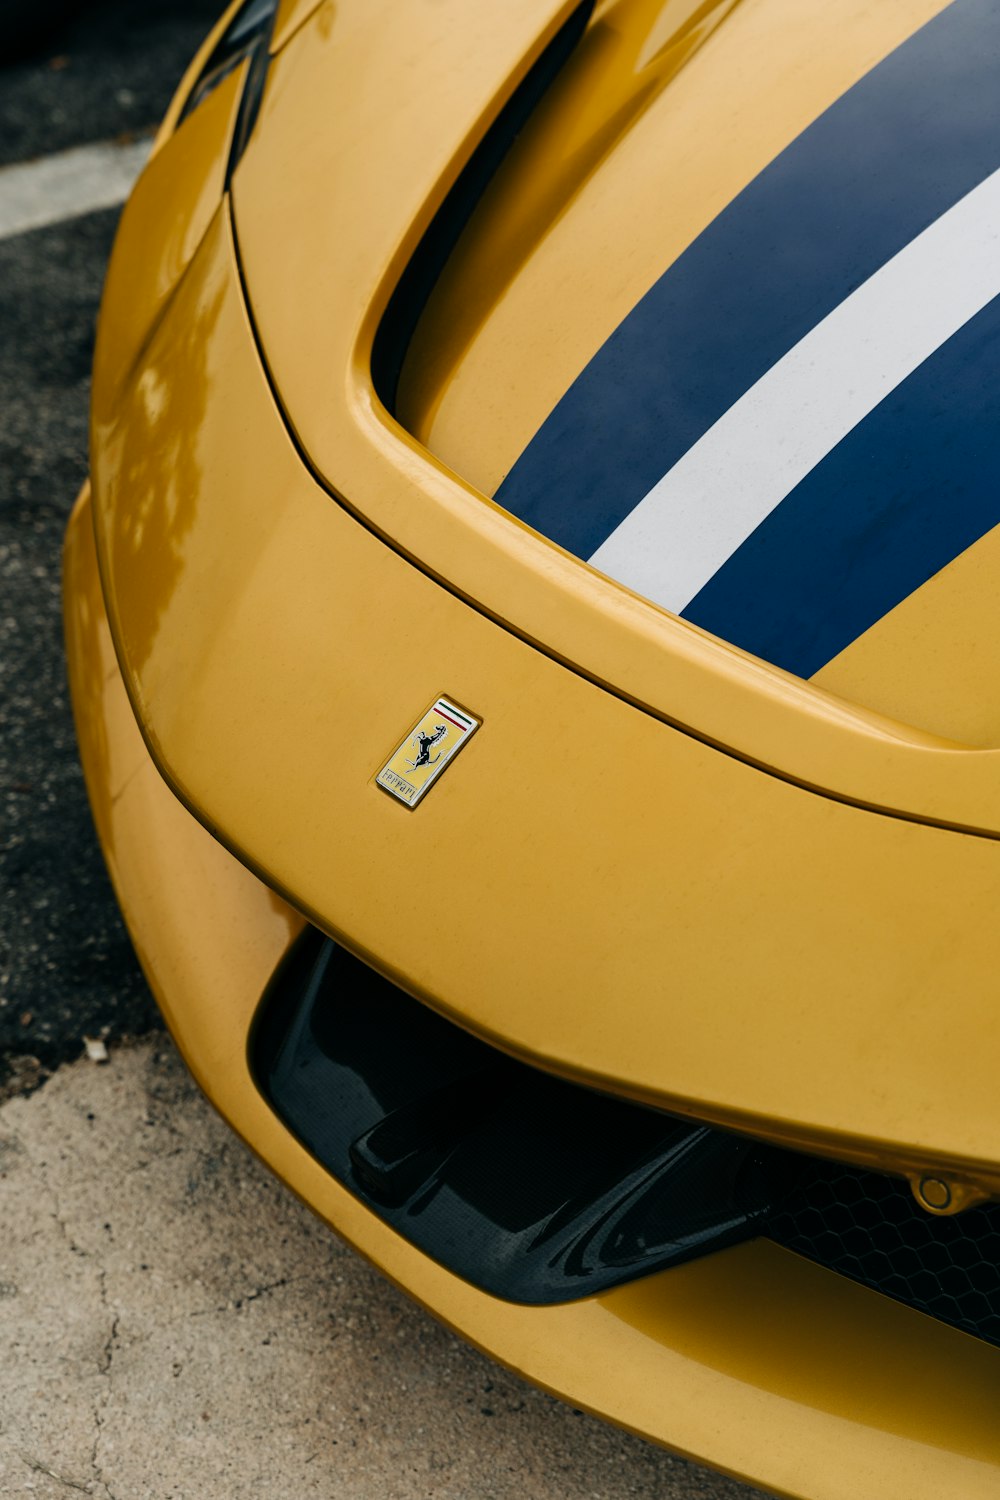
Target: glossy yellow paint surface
<point x="760" y="1362"/>
<point x="359" y="200"/>
<point x="172" y="205"/>
<point x="176" y="106"/>
<point x="291" y="14"/>
<point x="663" y="114"/>
<point x="201" y="923"/>
<point x="935" y="659"/>
<point x="704" y="935"/>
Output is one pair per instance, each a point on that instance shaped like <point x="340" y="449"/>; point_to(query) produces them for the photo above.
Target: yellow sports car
<point x="534" y="639"/>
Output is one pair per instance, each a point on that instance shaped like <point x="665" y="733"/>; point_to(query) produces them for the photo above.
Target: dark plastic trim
<point x="542" y="1191"/>
<point x="534" y="1189"/>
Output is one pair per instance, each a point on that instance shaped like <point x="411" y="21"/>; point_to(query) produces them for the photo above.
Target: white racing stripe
<point x="730" y="480"/>
<point x="80" y="181"/>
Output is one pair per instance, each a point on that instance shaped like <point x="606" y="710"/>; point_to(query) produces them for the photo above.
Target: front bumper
<point x="754" y="1360"/>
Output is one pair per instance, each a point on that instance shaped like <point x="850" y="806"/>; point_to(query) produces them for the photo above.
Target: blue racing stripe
<point x="911" y="487"/>
<point x="889" y="157"/>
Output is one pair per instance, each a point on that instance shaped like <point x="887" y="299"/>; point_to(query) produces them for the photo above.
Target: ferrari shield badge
<point x="431" y="744"/>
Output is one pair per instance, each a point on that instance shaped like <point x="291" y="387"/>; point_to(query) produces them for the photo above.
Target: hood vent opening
<point x="418" y="280"/>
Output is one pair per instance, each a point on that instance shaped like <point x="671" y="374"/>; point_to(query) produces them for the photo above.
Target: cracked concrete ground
<point x="174" y="1325"/>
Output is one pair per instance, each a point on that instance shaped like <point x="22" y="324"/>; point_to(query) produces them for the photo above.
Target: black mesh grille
<point x="870" y="1228"/>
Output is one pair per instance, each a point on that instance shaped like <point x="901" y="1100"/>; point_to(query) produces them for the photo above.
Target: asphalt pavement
<point x="108" y="72"/>
<point x="66" y="965"/>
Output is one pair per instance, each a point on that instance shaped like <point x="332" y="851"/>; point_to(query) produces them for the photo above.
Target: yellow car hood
<point x="662" y="119"/>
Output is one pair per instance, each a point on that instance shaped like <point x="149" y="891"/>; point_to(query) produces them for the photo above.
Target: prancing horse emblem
<point x="425" y="741"/>
<point x="428" y="749"/>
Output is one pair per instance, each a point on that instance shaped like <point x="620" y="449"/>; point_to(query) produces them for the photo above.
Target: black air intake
<point x="533" y="1189"/>
<point x="541" y="1191"/>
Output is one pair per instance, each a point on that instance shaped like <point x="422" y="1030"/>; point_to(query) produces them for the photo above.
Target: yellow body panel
<point x="317" y="296"/>
<point x="762" y="1363"/>
<point x="653" y="126"/>
<point x="706" y="936"/>
<point x="935" y="659"/>
<point x="290" y="16"/>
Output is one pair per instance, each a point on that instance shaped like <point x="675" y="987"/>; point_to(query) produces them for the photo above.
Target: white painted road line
<point x="71" y="183"/>
<point x="713" y="498"/>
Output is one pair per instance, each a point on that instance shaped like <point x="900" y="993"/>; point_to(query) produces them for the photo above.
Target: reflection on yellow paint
<point x="159" y="474"/>
<point x="662" y="115"/>
<point x="629" y="53"/>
